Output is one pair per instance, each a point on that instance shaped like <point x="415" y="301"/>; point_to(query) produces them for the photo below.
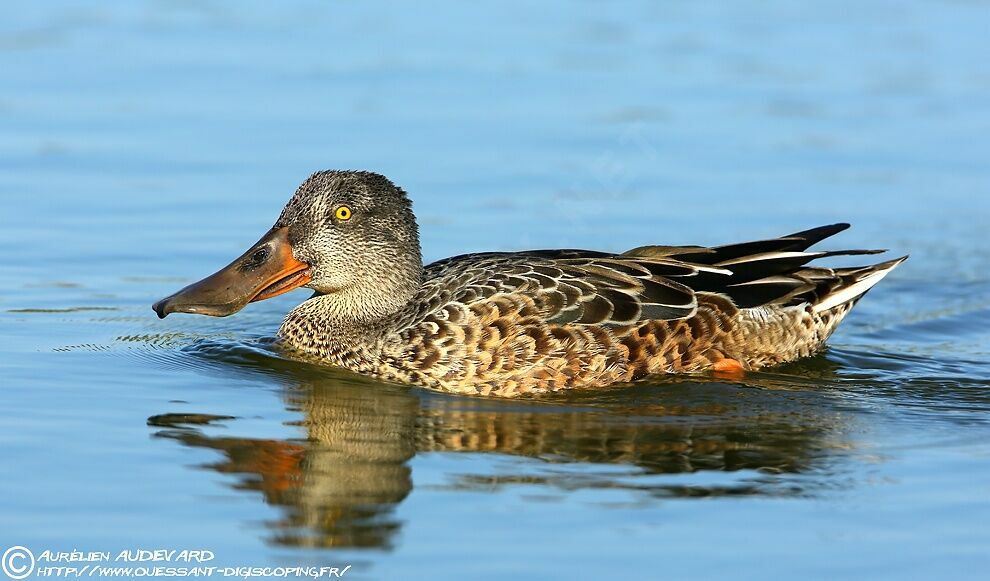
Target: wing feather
<point x="650" y="282"/>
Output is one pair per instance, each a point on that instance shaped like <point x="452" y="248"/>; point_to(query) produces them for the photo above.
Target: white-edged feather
<point x="769" y="256"/>
<point x="853" y="291"/>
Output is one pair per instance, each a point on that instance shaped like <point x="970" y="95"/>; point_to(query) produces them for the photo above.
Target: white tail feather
<point x="853" y="291"/>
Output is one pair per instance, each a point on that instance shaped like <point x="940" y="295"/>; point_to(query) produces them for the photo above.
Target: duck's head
<point x="344" y="233"/>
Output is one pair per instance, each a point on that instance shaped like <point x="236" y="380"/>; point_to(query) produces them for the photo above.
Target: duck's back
<point x="524" y="322"/>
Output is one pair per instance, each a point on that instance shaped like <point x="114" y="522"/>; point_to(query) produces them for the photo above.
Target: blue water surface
<point x="145" y="144"/>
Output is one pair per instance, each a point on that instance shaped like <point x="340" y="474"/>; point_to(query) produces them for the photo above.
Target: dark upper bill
<point x="266" y="270"/>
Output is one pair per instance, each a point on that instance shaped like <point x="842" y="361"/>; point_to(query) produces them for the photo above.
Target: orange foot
<point x="728" y="369"/>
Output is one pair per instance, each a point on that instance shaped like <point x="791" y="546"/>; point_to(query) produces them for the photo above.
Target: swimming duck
<point x="513" y="323"/>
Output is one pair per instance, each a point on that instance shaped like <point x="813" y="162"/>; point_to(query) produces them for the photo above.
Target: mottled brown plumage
<point x="514" y="323"/>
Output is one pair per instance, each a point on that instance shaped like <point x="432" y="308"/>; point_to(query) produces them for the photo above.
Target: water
<point x="142" y="145"/>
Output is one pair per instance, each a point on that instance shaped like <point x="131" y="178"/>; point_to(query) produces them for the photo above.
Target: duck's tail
<point x="848" y="285"/>
<point x="776" y="271"/>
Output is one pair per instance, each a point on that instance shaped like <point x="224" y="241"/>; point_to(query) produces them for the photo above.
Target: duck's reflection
<point x="339" y="486"/>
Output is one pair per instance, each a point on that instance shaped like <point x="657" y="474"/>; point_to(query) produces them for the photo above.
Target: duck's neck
<point x="352" y="322"/>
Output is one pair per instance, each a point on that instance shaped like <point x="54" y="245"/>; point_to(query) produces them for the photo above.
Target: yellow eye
<point x="343" y="213"/>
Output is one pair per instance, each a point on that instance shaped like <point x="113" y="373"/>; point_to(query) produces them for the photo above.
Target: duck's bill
<point x="266" y="270"/>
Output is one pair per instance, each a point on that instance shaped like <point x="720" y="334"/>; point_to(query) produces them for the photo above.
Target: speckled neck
<point x="347" y="327"/>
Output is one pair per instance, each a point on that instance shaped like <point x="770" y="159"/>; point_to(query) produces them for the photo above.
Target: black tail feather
<point x="771" y="271"/>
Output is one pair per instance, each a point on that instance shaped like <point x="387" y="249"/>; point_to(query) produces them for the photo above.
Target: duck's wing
<point x="567" y="286"/>
<point x="648" y="283"/>
<point x="579" y="287"/>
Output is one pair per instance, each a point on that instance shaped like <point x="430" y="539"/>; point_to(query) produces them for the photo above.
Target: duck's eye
<point x="343" y="213"/>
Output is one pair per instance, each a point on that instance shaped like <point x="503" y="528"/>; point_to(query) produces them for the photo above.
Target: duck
<point x="508" y="324"/>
